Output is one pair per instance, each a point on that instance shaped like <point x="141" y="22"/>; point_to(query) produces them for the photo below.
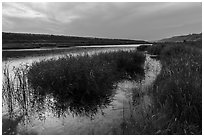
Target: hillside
<point x="190" y="37"/>
<point x="24" y="40"/>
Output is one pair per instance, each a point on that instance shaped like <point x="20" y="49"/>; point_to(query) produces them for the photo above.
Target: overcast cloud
<point x="147" y="21"/>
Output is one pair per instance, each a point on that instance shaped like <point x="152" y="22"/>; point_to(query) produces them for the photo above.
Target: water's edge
<point x="108" y="121"/>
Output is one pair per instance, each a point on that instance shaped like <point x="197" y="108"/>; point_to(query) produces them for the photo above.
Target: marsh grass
<point x="139" y="121"/>
<point x="8" y="90"/>
<point x="176" y="93"/>
<point x="15" y="90"/>
<point x="177" y="90"/>
<point x="85" y="82"/>
<point x="80" y="85"/>
<point x="15" y="96"/>
<point x="157" y="48"/>
<point x="83" y="85"/>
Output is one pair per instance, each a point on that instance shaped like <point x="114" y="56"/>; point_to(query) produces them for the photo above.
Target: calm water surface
<point x="16" y="62"/>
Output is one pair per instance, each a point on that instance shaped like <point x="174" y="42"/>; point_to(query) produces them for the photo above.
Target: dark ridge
<point x="27" y="40"/>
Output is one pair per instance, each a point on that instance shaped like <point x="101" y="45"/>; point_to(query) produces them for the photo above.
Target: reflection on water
<point x="59" y="114"/>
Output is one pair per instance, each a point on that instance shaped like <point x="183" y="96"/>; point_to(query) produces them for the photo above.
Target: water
<point x="16" y="62"/>
<point x="94" y="46"/>
<point x="46" y="118"/>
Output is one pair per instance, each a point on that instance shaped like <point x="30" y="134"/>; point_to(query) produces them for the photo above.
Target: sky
<point x="136" y="20"/>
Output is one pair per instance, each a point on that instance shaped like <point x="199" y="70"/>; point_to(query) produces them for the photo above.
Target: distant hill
<point x="25" y="40"/>
<point x="190" y="37"/>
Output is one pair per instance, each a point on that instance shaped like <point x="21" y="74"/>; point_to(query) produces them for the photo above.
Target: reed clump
<point x="84" y="80"/>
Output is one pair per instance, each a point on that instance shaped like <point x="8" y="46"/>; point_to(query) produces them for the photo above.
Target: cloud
<point x="20" y="11"/>
<point x="115" y="20"/>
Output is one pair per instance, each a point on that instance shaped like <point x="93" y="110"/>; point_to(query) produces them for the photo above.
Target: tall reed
<point x="178" y="90"/>
<point x="15" y="90"/>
